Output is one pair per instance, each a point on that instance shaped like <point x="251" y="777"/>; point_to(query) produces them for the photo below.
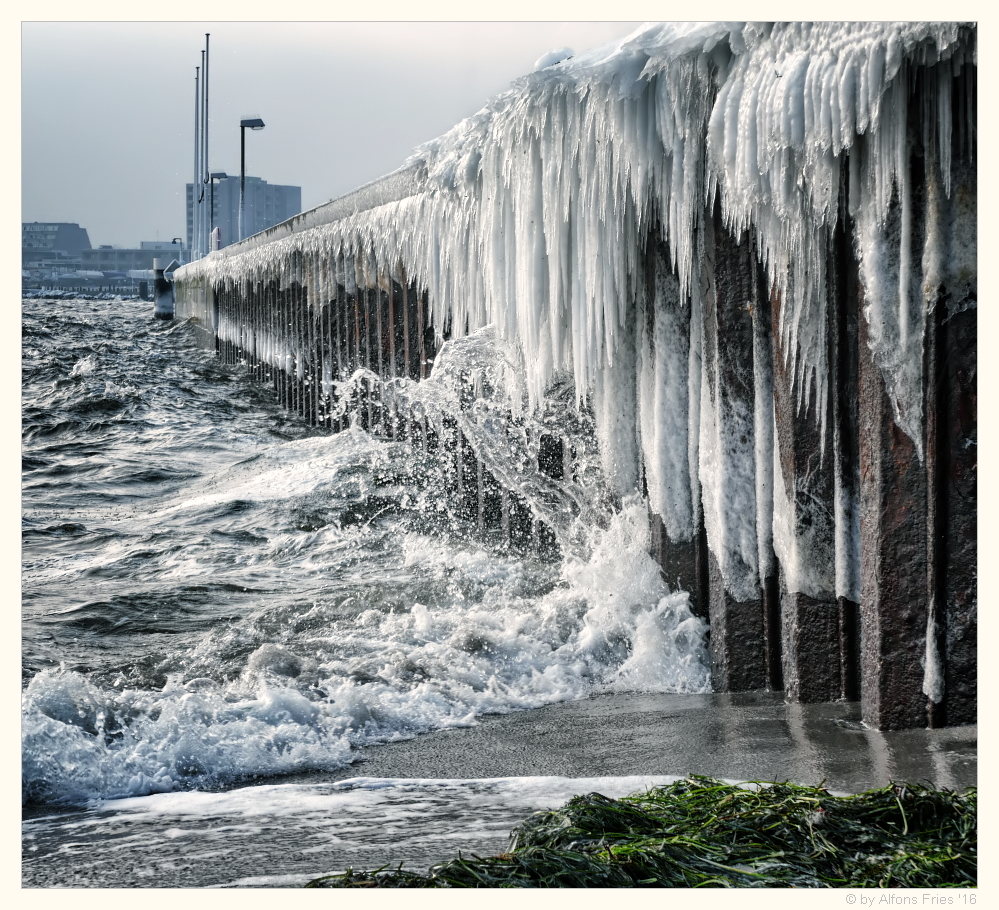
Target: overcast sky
<point x="108" y="108"/>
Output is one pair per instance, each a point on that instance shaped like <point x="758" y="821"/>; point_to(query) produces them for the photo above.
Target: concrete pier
<point x="816" y="494"/>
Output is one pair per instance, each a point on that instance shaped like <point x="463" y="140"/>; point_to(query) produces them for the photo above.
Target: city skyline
<point x="108" y="108"/>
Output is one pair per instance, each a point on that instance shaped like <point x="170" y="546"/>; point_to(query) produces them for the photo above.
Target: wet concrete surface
<point x="744" y="736"/>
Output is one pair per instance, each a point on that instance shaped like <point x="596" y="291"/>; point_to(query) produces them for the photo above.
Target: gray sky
<point x="108" y="108"/>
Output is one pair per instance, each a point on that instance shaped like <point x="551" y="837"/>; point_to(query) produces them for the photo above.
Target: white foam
<point x="84" y="366"/>
<point x="481" y="638"/>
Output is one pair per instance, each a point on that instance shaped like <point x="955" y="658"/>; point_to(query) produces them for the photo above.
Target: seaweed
<point x="704" y="833"/>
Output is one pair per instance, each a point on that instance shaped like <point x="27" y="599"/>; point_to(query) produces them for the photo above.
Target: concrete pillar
<point x="294" y="340"/>
<point x="273" y="326"/>
<point x="404" y="301"/>
<point x="341" y="333"/>
<point x="421" y="309"/>
<point x="284" y="323"/>
<point x="664" y="392"/>
<point x="893" y="523"/>
<point x="764" y="430"/>
<point x="804" y="528"/>
<point x="843" y="376"/>
<point x="730" y="290"/>
<point x="919" y="509"/>
<point x="952" y="453"/>
<point x="893" y="559"/>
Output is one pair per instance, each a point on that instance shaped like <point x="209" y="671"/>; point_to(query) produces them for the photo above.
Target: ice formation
<point x="533" y="216"/>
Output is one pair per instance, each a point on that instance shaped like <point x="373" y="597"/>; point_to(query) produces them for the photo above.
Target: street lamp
<point x="217" y="175"/>
<point x="254" y="123"/>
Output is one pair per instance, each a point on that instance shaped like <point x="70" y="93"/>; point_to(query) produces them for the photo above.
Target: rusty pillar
<point x="274" y="324"/>
<point x="284" y="313"/>
<point x="287" y="322"/>
<point x="220" y="312"/>
<point x="328" y="283"/>
<point x="223" y="324"/>
<point x="295" y="336"/>
<point x="242" y="333"/>
<point x="379" y="326"/>
<point x="366" y="327"/>
<point x="339" y="305"/>
<point x="893" y="510"/>
<point x="302" y="373"/>
<point x="256" y="290"/>
<point x="764" y="426"/>
<point x="230" y="328"/>
<point x="356" y="358"/>
<point x="421" y="303"/>
<point x="735" y="605"/>
<point x="274" y="317"/>
<point x="405" y="326"/>
<point x="958" y="521"/>
<point x="391" y="371"/>
<point x="673" y="519"/>
<point x="843" y="376"/>
<point x="258" y="329"/>
<point x="313" y="360"/>
<point x="359" y="329"/>
<point x="235" y="328"/>
<point x="373" y="414"/>
<point x="250" y="356"/>
<point x="919" y="509"/>
<point x="804" y="527"/>
<point x="391" y="327"/>
<point x="480" y="473"/>
<point x="315" y="341"/>
<point x="893" y="559"/>
<point x="295" y="330"/>
<point x="952" y="461"/>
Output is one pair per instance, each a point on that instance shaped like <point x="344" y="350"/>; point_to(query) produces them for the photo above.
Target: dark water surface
<point x="224" y="611"/>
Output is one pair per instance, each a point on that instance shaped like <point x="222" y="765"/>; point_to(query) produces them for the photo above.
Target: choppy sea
<point x="216" y="595"/>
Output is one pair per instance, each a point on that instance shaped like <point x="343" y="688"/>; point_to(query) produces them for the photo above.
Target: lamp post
<point x="217" y="175"/>
<point x="254" y="123"/>
<point x="206" y="230"/>
<point x="195" y="209"/>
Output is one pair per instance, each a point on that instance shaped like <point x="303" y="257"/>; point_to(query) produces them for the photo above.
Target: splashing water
<point x="213" y="593"/>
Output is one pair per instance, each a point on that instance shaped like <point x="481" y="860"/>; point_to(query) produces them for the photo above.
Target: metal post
<point x="201" y="168"/>
<point x="205" y="178"/>
<point x="197" y="148"/>
<point x="242" y="178"/>
<point x="254" y="123"/>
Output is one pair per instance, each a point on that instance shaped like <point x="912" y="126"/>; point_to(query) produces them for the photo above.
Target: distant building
<point x="51" y="248"/>
<point x="266" y="204"/>
<point x="112" y="259"/>
<point x="162" y="245"/>
<point x="66" y="237"/>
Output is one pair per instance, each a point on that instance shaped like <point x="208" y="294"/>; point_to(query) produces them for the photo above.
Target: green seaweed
<point x="704" y="833"/>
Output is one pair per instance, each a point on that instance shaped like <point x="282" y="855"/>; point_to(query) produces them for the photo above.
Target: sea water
<point x="214" y="592"/>
<point x="236" y="629"/>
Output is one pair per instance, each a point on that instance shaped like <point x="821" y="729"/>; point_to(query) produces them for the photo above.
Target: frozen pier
<point x="748" y="254"/>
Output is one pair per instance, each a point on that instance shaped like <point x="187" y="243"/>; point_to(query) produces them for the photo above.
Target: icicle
<point x="531" y="213"/>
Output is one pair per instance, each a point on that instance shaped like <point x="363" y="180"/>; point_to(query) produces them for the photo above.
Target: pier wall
<point x="807" y="450"/>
